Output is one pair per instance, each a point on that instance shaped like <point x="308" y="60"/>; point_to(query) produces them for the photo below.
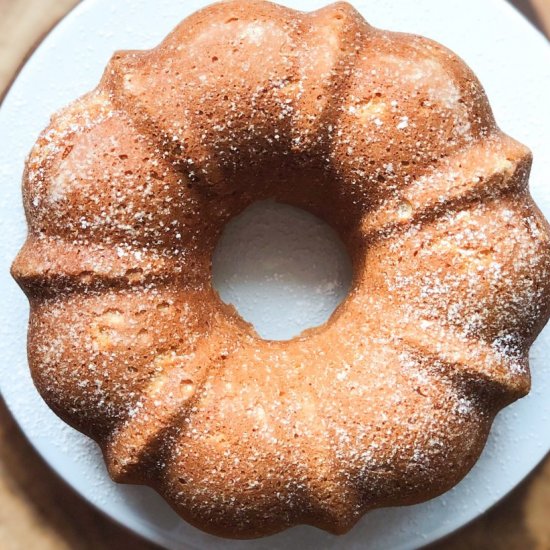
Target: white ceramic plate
<point x="512" y="61"/>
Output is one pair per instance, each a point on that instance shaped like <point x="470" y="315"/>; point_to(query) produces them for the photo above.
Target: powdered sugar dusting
<point x="450" y="283"/>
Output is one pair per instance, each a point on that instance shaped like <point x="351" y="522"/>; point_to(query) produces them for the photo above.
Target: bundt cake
<point x="389" y="138"/>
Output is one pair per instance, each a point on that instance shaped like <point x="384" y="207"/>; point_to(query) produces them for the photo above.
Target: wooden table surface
<point x="37" y="509"/>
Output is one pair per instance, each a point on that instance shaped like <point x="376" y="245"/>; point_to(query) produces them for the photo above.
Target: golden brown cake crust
<point x="387" y="136"/>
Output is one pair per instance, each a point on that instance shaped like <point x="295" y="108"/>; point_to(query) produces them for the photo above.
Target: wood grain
<point x="37" y="509"/>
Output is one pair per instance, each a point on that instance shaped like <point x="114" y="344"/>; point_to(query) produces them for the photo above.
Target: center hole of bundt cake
<point x="284" y="269"/>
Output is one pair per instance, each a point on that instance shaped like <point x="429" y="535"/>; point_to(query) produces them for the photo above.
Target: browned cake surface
<point x="388" y="137"/>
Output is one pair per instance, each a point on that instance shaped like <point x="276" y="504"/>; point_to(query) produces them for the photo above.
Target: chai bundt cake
<point x="387" y="136"/>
